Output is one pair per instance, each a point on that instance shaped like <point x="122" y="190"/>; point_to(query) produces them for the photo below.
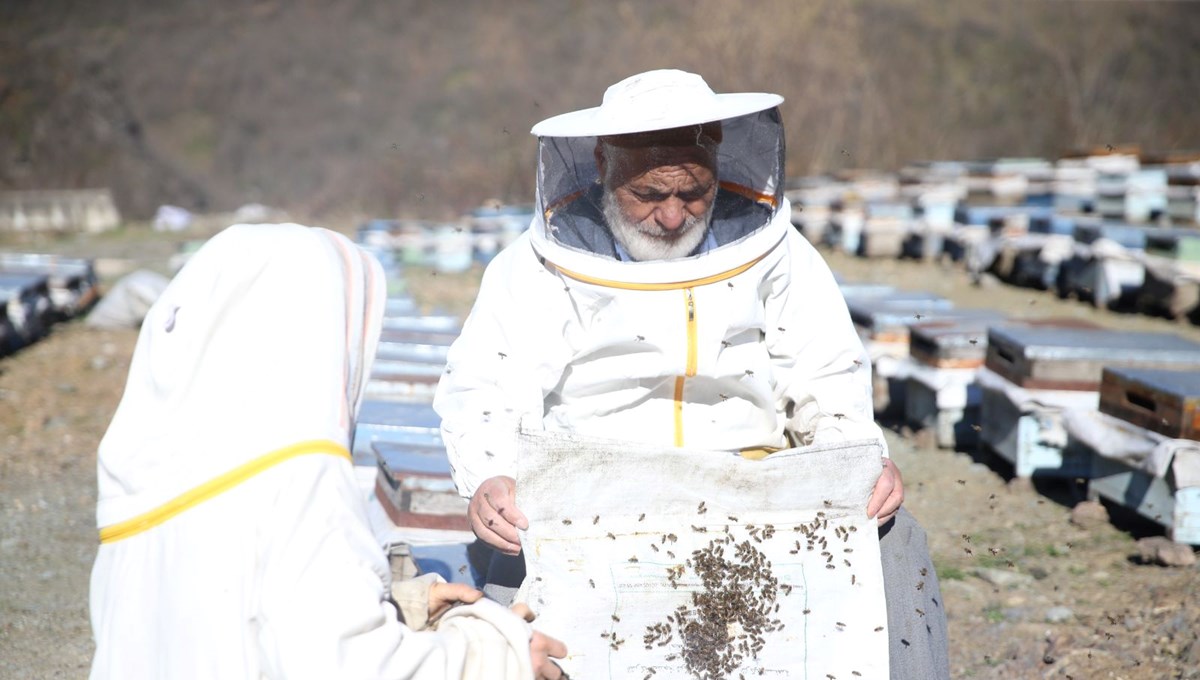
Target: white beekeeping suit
<point x="235" y="541"/>
<point x="745" y="343"/>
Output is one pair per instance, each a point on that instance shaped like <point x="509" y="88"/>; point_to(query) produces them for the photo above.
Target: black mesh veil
<point x="749" y="153"/>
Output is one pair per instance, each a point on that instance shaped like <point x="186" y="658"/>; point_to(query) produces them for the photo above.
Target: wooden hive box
<point x="1163" y="401"/>
<point x="887" y="318"/>
<point x="1050" y="358"/>
<point x="415" y="487"/>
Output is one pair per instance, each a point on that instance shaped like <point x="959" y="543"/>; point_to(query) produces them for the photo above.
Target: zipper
<point x="690" y="369"/>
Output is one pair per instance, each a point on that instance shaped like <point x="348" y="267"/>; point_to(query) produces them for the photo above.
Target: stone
<point x="1163" y="551"/>
<point x="1089" y="515"/>
<point x="1059" y="614"/>
<point x="1002" y="578"/>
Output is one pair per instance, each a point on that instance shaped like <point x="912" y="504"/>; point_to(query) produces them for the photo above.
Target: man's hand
<point x="494" y="515"/>
<point x="888" y="493"/>
<point x="443" y="595"/>
<point x="542" y="649"/>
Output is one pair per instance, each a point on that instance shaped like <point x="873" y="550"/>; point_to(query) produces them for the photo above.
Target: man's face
<point x="658" y="199"/>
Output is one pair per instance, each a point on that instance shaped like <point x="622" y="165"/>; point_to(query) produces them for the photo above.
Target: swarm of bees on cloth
<point x="735" y="594"/>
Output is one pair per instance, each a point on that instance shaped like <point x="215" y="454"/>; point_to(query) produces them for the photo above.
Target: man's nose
<point x="671" y="214"/>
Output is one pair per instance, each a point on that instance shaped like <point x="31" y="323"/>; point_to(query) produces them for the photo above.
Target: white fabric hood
<point x="249" y="349"/>
<point x="742" y="139"/>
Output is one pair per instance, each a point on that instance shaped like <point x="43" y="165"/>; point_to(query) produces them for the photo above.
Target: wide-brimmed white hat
<point x="655" y="100"/>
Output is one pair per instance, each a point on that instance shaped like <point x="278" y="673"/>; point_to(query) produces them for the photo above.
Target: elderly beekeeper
<point x="661" y="295"/>
<point x="234" y="538"/>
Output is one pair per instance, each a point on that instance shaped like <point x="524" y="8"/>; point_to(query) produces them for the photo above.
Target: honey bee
<point x="592" y="584"/>
<point x="596" y="519"/>
<point x="642" y="517"/>
<point x="566" y="522"/>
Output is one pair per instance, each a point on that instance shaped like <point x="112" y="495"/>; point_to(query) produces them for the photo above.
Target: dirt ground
<point x="1058" y="601"/>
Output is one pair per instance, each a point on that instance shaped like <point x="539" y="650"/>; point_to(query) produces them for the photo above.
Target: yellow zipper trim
<point x="215" y="486"/>
<point x="677" y="285"/>
<point x="692" y="361"/>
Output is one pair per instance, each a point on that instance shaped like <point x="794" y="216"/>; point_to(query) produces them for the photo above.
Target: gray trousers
<point x="918" y="646"/>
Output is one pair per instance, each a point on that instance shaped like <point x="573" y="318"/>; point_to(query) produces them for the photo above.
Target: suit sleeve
<point x="323" y="609"/>
<point x="509" y="356"/>
<point x="823" y="372"/>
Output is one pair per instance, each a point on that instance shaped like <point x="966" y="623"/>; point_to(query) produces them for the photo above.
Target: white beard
<point x="646" y="240"/>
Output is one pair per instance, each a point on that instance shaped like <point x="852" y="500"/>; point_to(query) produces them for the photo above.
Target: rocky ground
<point x="1029" y="593"/>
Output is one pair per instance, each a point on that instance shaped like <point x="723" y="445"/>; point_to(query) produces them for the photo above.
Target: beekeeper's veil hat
<point x="743" y="131"/>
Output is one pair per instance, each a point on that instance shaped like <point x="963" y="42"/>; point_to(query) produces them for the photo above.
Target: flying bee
<point x="974" y="341"/>
<point x="961" y="481"/>
<point x="924" y="571"/>
<point x="919" y="611"/>
<point x="610" y="535"/>
<point x="828" y="504"/>
<point x="592" y="584"/>
<point x="596" y="519"/>
<point x="502" y="355"/>
<point x="654" y="547"/>
<point x="878" y="628"/>
<point x="732" y="518"/>
<point x="700" y="509"/>
<point x="567" y="522"/>
<point x="641" y="516"/>
<point x="616" y="618"/>
<point x="640" y="338"/>
<point x="633" y="559"/>
<point x="670" y="554"/>
<point x="921" y="585"/>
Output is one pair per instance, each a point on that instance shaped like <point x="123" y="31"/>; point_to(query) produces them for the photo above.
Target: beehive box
<point x="962" y="343"/>
<point x="1174" y="244"/>
<point x="415" y="487"/>
<point x="394" y="421"/>
<point x="417" y="337"/>
<point x="1163" y="401"/>
<point x="887" y="318"/>
<point x="1073" y="358"/>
